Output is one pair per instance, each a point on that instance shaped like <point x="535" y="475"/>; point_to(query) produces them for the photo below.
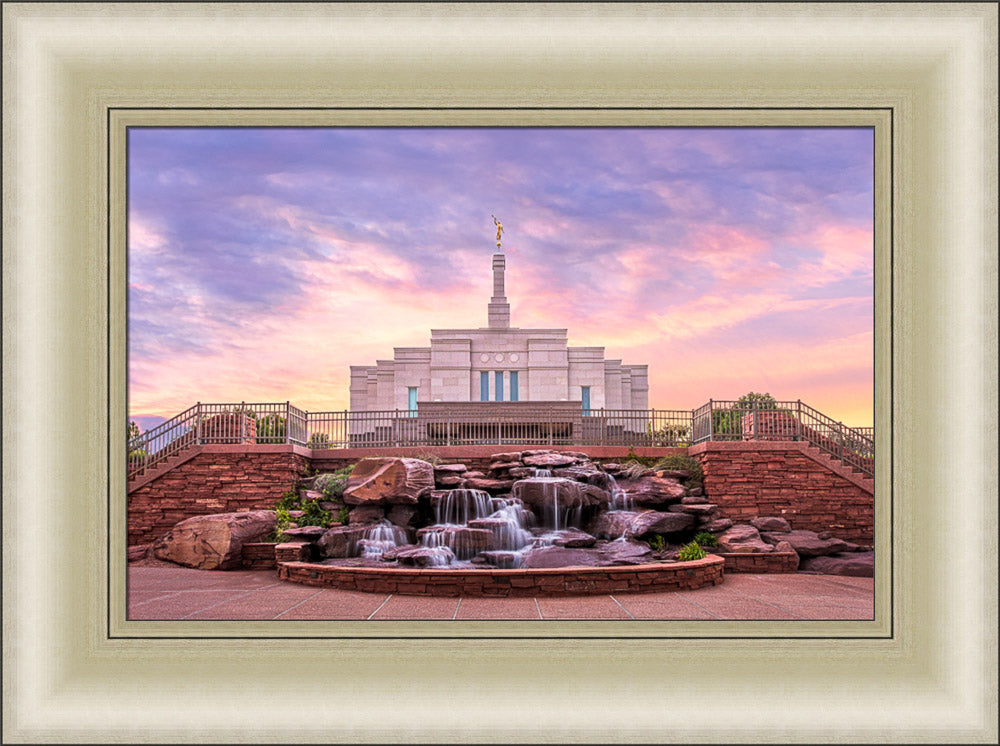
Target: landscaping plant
<point x="690" y="552"/>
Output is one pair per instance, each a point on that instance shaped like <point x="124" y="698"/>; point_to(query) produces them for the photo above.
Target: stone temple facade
<point x="498" y="363"/>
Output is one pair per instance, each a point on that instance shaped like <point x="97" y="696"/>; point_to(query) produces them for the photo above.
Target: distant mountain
<point x="147" y="421"/>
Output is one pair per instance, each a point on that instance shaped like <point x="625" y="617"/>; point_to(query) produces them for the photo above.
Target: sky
<point x="264" y="262"/>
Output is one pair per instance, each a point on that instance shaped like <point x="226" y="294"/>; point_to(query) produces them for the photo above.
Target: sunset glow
<point x="264" y="262"/>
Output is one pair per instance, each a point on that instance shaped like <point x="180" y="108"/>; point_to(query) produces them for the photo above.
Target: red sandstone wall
<point x="746" y="483"/>
<point x="210" y="483"/>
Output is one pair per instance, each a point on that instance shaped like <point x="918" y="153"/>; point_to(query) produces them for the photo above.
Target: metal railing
<point x="783" y="421"/>
<point x="561" y="423"/>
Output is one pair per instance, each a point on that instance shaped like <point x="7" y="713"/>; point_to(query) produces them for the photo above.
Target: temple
<point x="498" y="364"/>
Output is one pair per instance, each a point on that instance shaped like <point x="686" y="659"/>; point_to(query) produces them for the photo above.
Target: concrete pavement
<point x="173" y="593"/>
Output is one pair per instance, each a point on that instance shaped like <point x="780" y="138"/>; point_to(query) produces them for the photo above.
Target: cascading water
<point x="378" y="539"/>
<point x="458" y="507"/>
<point x="620" y="500"/>
<point x="543" y="472"/>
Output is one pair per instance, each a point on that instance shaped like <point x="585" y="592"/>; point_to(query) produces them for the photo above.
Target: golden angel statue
<point x="499" y="226"/>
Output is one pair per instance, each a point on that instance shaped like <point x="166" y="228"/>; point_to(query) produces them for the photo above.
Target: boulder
<point x="554" y="556"/>
<point x="718" y="525"/>
<point x="856" y="564"/>
<point x="444" y="469"/>
<point x="624" y="552"/>
<point x="521" y="472"/>
<point x="341" y="541"/>
<point x="698" y="509"/>
<point x="305" y="533"/>
<point x="655" y="522"/>
<point x="546" y="492"/>
<point x="311" y="495"/>
<point x="611" y="525"/>
<point x="498" y="466"/>
<point x="574" y="538"/>
<point x="585" y="472"/>
<point x="742" y="539"/>
<point x="449" y="481"/>
<point x="420" y="556"/>
<point x="694" y="500"/>
<point x="511" y="456"/>
<point x="493" y="486"/>
<point x="366" y="514"/>
<point x="214" y="542"/>
<point x="808" y="543"/>
<point x="695" y="491"/>
<point x="770" y="523"/>
<point x="387" y="480"/>
<point x="649" y="491"/>
<point x="473" y="475"/>
<point x="402" y="515"/>
<point x="550" y="460"/>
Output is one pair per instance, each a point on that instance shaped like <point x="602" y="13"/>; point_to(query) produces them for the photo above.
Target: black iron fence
<point x="523" y="423"/>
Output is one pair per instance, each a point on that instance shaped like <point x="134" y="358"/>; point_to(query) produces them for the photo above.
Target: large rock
<point x="510" y="456"/>
<point x="856" y="564"/>
<point x="718" y="525"/>
<point x="574" y="538"/>
<point x="545" y="492"/>
<point x="366" y="513"/>
<point x="214" y="542"/>
<point x="493" y="486"/>
<point x="561" y="557"/>
<point x="704" y="510"/>
<point x="420" y="556"/>
<point x="650" y="491"/>
<point x="808" y="543"/>
<point x="656" y="522"/>
<point x="449" y="469"/>
<point x="550" y="460"/>
<point x="402" y="515"/>
<point x="612" y="524"/>
<point x="625" y="552"/>
<point x="770" y="523"/>
<point x="783" y="547"/>
<point x="498" y="466"/>
<point x="387" y="480"/>
<point x="743" y="539"/>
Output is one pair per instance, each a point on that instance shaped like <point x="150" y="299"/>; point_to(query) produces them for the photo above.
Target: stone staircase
<point x="851" y="473"/>
<point x="162" y="467"/>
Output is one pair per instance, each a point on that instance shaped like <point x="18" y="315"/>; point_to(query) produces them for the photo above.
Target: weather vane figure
<point x="499" y="226"/>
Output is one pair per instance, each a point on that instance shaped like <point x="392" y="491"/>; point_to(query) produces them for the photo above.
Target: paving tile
<point x="817" y="611"/>
<point x="662" y="606"/>
<point x="266" y="604"/>
<point x="498" y="608"/>
<point x="741" y="607"/>
<point x="581" y="607"/>
<point x="335" y="605"/>
<point x="179" y="605"/>
<point x="417" y="607"/>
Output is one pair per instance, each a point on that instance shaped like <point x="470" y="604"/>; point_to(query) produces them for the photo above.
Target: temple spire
<point x="499" y="308"/>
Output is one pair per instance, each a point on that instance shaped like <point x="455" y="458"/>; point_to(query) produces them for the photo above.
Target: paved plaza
<point x="173" y="593"/>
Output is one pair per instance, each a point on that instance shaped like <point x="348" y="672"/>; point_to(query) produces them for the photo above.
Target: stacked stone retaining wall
<point x="753" y="479"/>
<point x="221" y="481"/>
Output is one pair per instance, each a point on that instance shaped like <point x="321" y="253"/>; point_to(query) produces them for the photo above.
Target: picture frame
<point x="70" y="671"/>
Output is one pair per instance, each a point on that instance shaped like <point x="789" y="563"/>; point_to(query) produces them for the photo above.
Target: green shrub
<point x="643" y="460"/>
<point x="690" y="552"/>
<point x="633" y="469"/>
<point x="669" y="435"/>
<point x="319" y="441"/>
<point x="657" y="543"/>
<point x="332" y="484"/>
<point x="431" y="458"/>
<point x="705" y="539"/>
<point x="283" y="522"/>
<point x="683" y="462"/>
<point x="342" y="514"/>
<point x="271" y="428"/>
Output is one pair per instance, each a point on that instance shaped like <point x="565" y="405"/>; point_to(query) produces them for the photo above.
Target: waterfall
<point x="620" y="500"/>
<point x="458" y="507"/>
<point x="543" y="473"/>
<point x="378" y="538"/>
